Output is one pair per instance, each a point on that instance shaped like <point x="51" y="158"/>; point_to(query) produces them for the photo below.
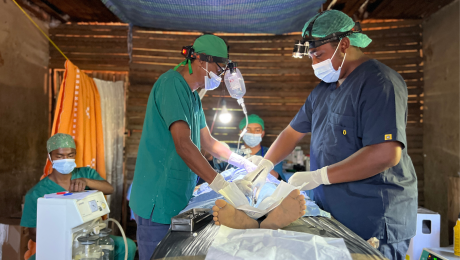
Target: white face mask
<point x="213" y="82"/>
<point x="64" y="166"/>
<point x="325" y="71"/>
<point x="252" y="140"/>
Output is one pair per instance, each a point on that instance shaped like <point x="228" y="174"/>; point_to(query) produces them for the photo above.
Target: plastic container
<point x="307" y="163"/>
<point x="235" y="84"/>
<point x="87" y="249"/>
<point x="299" y="156"/>
<point x="457" y="238"/>
<point x="106" y="244"/>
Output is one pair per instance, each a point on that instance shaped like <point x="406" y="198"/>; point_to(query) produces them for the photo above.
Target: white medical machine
<point x="62" y="219"/>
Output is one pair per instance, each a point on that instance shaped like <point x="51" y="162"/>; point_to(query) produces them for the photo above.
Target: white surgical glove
<point x="310" y="180"/>
<point x="256" y="159"/>
<point x="244" y="186"/>
<point x="218" y="183"/>
<point x="265" y="166"/>
<point x="240" y="162"/>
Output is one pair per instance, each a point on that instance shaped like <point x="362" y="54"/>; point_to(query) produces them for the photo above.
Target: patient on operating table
<point x="291" y="204"/>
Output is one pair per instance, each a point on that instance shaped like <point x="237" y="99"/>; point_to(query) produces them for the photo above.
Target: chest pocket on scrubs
<point x="340" y="136"/>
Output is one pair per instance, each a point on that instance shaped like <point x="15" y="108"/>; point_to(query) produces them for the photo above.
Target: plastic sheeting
<point x="236" y="16"/>
<point x="113" y="115"/>
<point x="267" y="244"/>
<point x="195" y="245"/>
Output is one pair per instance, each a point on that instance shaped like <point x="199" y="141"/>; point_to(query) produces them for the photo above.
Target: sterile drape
<point x="78" y="113"/>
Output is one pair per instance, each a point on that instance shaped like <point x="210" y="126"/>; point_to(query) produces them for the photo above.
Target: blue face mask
<point x="252" y="140"/>
<point x="64" y="166"/>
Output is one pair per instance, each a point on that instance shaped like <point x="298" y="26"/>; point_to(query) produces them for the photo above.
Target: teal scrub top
<point x="163" y="183"/>
<point x="47" y="186"/>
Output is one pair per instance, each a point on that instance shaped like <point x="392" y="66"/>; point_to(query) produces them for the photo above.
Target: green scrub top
<point x="162" y="181"/>
<point x="47" y="186"/>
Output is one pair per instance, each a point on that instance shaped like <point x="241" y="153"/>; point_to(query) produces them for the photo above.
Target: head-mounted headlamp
<point x="189" y="53"/>
<point x="302" y="47"/>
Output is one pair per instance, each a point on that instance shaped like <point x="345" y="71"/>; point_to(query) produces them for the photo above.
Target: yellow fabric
<point x="78" y="113"/>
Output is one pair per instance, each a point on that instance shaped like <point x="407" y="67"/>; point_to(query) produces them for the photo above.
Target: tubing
<point x="123" y="234"/>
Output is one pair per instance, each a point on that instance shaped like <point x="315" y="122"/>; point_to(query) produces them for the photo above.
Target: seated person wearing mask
<point x="67" y="177"/>
<point x="253" y="138"/>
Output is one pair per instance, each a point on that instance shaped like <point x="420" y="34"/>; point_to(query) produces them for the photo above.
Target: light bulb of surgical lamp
<point x="225" y="117"/>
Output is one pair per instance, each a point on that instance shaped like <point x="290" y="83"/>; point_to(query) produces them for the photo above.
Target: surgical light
<point x="225" y="117"/>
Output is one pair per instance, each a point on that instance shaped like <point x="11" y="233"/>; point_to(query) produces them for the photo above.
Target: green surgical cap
<point x="60" y="141"/>
<point x="252" y="119"/>
<point x="334" y="21"/>
<point x="209" y="44"/>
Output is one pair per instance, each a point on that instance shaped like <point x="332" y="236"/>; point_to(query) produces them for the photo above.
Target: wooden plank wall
<point x="277" y="84"/>
<point x="91" y="46"/>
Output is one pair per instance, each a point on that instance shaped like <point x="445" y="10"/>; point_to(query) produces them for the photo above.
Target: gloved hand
<point x="240" y="162"/>
<point x="310" y="180"/>
<point x="265" y="166"/>
<point x="255" y="159"/>
<point x="244" y="186"/>
<point x="218" y="183"/>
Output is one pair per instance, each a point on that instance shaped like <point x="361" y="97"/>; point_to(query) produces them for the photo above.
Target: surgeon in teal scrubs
<point x="169" y="157"/>
<point x="67" y="177"/>
<point x="361" y="171"/>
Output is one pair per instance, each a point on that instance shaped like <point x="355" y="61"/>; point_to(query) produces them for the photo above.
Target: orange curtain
<point x="78" y="113"/>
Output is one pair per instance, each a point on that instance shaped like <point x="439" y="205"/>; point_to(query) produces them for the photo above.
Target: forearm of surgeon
<point x="188" y="151"/>
<point x="214" y="147"/>
<point x="283" y="145"/>
<point x="365" y="163"/>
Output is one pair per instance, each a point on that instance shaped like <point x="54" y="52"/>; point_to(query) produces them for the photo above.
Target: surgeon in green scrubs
<point x="174" y="131"/>
<point x="67" y="177"/>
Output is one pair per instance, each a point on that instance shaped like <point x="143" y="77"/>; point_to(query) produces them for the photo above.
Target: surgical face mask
<point x="64" y="166"/>
<point x="325" y="71"/>
<point x="252" y="140"/>
<point x="213" y="82"/>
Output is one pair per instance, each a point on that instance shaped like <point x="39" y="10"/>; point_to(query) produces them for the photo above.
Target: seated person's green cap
<point x="60" y="140"/>
<point x="252" y="119"/>
<point x="334" y="21"/>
